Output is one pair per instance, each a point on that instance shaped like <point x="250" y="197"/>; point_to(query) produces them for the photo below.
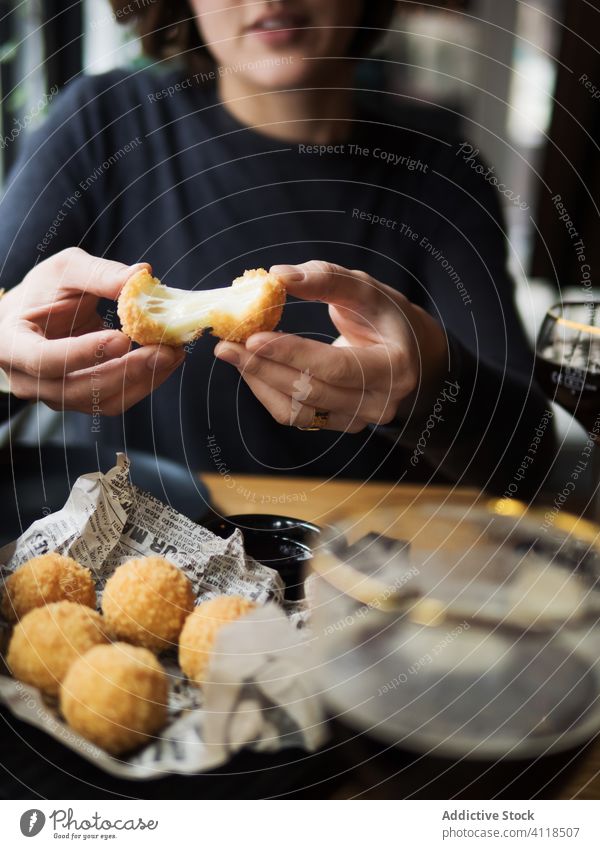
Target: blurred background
<point x="519" y="80"/>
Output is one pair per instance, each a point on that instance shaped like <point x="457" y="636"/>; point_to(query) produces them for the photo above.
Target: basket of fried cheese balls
<point x="102" y="665"/>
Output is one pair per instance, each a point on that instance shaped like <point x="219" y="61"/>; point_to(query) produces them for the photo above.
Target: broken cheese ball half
<point x="153" y="314"/>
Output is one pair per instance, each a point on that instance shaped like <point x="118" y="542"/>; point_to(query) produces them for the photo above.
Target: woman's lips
<point x="279" y="30"/>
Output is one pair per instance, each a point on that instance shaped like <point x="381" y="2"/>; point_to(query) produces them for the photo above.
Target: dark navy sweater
<point x="132" y="166"/>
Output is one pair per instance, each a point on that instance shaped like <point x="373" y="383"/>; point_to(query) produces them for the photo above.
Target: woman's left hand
<point x="387" y="349"/>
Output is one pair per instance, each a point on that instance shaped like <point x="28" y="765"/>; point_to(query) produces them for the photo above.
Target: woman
<point x="256" y="150"/>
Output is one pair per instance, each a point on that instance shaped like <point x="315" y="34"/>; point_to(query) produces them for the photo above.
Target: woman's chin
<point x="280" y="78"/>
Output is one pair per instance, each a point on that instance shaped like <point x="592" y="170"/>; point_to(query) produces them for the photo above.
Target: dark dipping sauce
<point x="280" y="542"/>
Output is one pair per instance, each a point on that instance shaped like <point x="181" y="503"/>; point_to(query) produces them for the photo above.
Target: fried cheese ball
<point x="43" y="580"/>
<point x="49" y="639"/>
<point x="146" y="601"/>
<point x="153" y="314"/>
<point x="201" y="629"/>
<point x="115" y="696"/>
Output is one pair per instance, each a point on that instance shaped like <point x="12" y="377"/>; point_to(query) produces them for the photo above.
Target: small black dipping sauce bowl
<point x="280" y="542"/>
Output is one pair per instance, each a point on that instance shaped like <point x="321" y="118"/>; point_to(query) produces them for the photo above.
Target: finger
<point x="128" y="379"/>
<point x="136" y="392"/>
<point x="359" y="330"/>
<point x="90" y="324"/>
<point x="350" y="367"/>
<point x="290" y="414"/>
<point x="82" y="272"/>
<point x="302" y="386"/>
<point x="37" y="356"/>
<point x="133" y="376"/>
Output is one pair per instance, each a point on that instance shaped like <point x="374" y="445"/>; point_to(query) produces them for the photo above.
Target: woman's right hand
<point x="55" y="348"/>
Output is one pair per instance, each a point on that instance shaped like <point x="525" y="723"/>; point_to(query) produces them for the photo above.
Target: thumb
<point x="364" y="310"/>
<point x="323" y="281"/>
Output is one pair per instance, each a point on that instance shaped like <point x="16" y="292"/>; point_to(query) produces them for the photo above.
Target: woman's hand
<point x="55" y="348"/>
<point x="387" y="349"/>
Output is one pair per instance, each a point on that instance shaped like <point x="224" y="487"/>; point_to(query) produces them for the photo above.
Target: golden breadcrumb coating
<point x="201" y="629"/>
<point x="146" y="601"/>
<point x="44" y="579"/>
<point x="49" y="639"/>
<point x="153" y="314"/>
<point x="115" y="696"/>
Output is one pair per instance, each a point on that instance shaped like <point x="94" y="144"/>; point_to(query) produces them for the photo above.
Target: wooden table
<point x="314" y="500"/>
<point x="574" y="775"/>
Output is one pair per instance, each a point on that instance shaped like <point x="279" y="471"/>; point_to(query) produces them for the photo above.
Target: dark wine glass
<point x="567" y="367"/>
<point x="568" y="360"/>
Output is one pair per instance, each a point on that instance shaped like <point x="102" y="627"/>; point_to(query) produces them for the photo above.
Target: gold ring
<point x="319" y="420"/>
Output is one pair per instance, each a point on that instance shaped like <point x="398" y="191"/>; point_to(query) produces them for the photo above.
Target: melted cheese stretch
<point x="152" y="313"/>
<point x="184" y="312"/>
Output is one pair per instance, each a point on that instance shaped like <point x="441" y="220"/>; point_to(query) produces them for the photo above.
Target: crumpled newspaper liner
<point x="257" y="697"/>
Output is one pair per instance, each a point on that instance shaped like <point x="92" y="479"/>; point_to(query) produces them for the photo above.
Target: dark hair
<point x="168" y="28"/>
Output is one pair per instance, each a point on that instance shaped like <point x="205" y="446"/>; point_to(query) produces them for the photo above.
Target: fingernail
<point x="163" y="359"/>
<point x="291" y="272"/>
<point x="228" y="354"/>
